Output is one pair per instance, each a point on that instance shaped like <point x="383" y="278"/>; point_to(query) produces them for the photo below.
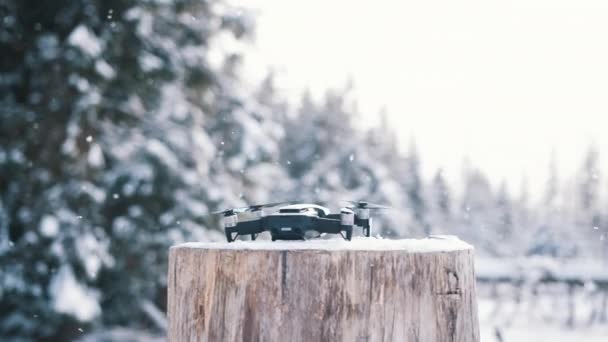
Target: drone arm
<point x="248" y="227"/>
<point x="333" y="226"/>
<point x="362" y="222"/>
<point x="324" y="225"/>
<point x="244" y="228"/>
<point x="365" y="223"/>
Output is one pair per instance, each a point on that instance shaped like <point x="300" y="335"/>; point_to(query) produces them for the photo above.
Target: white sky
<point x="502" y="82"/>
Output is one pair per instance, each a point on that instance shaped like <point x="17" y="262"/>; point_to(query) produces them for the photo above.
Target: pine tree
<point x="552" y="185"/>
<point x="413" y="187"/>
<point x="440" y="205"/>
<point x="552" y="219"/>
<point x="478" y="211"/>
<point x="320" y="148"/>
<point x="525" y="217"/>
<point x="589" y="180"/>
<point x="381" y="153"/>
<point x="504" y="225"/>
<point x="116" y="140"/>
<point x="329" y="160"/>
<point x="442" y="193"/>
<point x="588" y="216"/>
<point x="300" y="148"/>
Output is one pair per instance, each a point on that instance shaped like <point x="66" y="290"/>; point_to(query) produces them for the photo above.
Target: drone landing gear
<point x="231" y="237"/>
<point x="349" y="234"/>
<point x="367" y="231"/>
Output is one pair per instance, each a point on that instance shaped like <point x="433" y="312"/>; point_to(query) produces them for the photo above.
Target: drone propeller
<point x="229" y="212"/>
<point x="250" y="208"/>
<point x="366" y="205"/>
<point x="257" y="207"/>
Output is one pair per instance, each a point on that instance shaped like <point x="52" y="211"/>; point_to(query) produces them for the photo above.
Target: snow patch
<point x="80" y="83"/>
<point x="533" y="268"/>
<point x="149" y="62"/>
<point x="95" y="157"/>
<point x="162" y="153"/>
<point x="438" y="243"/>
<point x="72" y="298"/>
<point x="104" y="69"/>
<point x="93" y="253"/>
<point x="49" y="226"/>
<point x="85" y="40"/>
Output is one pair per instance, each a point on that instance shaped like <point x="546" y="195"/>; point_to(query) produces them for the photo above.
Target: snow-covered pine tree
<point x="551" y="191"/>
<point x="247" y="131"/>
<point x="321" y="142"/>
<point x="504" y="228"/>
<point x="439" y="200"/>
<point x="329" y="159"/>
<point x="386" y="160"/>
<point x="413" y="186"/>
<point x="551" y="228"/>
<point x="587" y="216"/>
<point x="525" y="218"/>
<point x="478" y="214"/>
<point x="111" y="151"/>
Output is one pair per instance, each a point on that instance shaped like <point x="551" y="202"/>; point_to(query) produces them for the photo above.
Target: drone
<point x="298" y="221"/>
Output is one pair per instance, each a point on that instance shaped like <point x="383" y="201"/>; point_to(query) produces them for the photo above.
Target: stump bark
<point x="405" y="290"/>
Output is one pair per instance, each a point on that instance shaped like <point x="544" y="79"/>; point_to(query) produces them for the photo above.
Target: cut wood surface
<point x="365" y="290"/>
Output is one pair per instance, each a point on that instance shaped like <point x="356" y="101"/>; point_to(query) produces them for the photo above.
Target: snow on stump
<point x="326" y="290"/>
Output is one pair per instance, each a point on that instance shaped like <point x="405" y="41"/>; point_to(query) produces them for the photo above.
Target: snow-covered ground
<point x="530" y="325"/>
<point x="534" y="268"/>
<point x="543" y="333"/>
<point x="531" y="299"/>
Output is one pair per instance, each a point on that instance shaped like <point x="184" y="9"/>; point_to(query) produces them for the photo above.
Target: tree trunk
<point x="403" y="290"/>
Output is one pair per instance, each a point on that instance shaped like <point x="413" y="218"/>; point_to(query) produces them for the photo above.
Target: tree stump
<point x="328" y="290"/>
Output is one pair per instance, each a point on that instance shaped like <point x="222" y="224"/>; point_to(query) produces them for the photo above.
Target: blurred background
<point x="124" y="123"/>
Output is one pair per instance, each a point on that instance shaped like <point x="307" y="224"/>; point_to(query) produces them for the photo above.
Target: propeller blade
<point x="229" y="211"/>
<point x="254" y="207"/>
<point x="377" y="206"/>
<point x="267" y="205"/>
<point x="366" y="205"/>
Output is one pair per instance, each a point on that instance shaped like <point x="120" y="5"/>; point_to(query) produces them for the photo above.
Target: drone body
<point x="299" y="221"/>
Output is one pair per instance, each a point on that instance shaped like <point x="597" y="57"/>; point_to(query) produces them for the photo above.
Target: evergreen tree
<point x="300" y="148"/>
<point x="505" y="214"/>
<point x="413" y="187"/>
<point x="478" y="211"/>
<point x="382" y="154"/>
<point x="589" y="180"/>
<point x="552" y="219"/>
<point x="329" y="160"/>
<point x="320" y="147"/>
<point x="552" y="184"/>
<point x="588" y="216"/>
<point x="118" y="132"/>
<point x="440" y="205"/>
<point x="524" y="219"/>
<point x="442" y="194"/>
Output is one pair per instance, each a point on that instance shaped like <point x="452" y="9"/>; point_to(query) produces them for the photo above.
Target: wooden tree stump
<point x="329" y="290"/>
